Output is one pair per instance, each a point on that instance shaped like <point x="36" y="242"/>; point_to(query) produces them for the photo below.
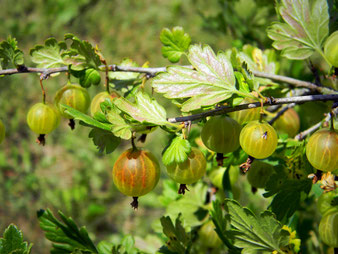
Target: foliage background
<point x="69" y="174"/>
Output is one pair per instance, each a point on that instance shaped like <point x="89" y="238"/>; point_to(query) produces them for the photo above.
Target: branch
<point x="273" y="101"/>
<point x="315" y="127"/>
<point x="153" y="71"/>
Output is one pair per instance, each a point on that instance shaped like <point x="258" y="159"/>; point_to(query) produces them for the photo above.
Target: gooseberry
<point x="258" y="139"/>
<point x="328" y="228"/>
<point x="43" y="118"/>
<point x="189" y="171"/>
<point x="322" y="150"/>
<point x="288" y="123"/>
<point x="246" y="115"/>
<point x="221" y="134"/>
<point x="331" y="49"/>
<point x="99" y="98"/>
<point x="135" y="173"/>
<point x="216" y="176"/>
<point x="259" y="173"/>
<point x="208" y="236"/>
<point x="90" y="77"/>
<point x="74" y="96"/>
<point x="2" y="131"/>
<point x="324" y="202"/>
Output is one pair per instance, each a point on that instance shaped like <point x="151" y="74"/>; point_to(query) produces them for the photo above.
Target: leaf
<point x="124" y="75"/>
<point x="65" y="236"/>
<point x="82" y="54"/>
<point x="177" y="151"/>
<point x="175" y="42"/>
<point x="306" y="27"/>
<point x="12" y="242"/>
<point x="178" y="239"/>
<point x="49" y="55"/>
<point x="85" y="119"/>
<point x="144" y="110"/>
<point x="10" y="54"/>
<point x="104" y="140"/>
<point x="213" y="80"/>
<point x="255" y="234"/>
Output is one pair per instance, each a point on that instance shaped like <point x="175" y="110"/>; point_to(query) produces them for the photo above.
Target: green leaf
<point x="12" y="242"/>
<point x="255" y="234"/>
<point x="85" y="119"/>
<point x="10" y="54"/>
<point x="177" y="151"/>
<point x="211" y="82"/>
<point x="105" y="247"/>
<point x="175" y="42"/>
<point x="120" y="127"/>
<point x="306" y="27"/>
<point x="82" y="55"/>
<point x="124" y="75"/>
<point x="65" y="236"/>
<point x="178" y="239"/>
<point x="104" y="140"/>
<point x="49" y="55"/>
<point x="144" y="110"/>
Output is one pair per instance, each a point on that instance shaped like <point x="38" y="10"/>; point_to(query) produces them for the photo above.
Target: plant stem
<point x="43" y="92"/>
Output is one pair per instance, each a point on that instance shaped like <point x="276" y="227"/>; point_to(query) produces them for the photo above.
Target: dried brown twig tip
<point x="327" y="182"/>
<point x="134" y="204"/>
<point x="246" y="165"/>
<point x="41" y="139"/>
<point x="219" y="159"/>
<point x="71" y="124"/>
<point x="182" y="189"/>
<point x="253" y="190"/>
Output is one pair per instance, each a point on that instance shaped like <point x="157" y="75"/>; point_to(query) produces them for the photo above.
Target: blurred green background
<point x="69" y="173"/>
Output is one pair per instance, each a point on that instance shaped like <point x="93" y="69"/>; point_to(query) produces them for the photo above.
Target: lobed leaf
<point x="82" y="54"/>
<point x="120" y="127"/>
<point x="49" y="54"/>
<point x="104" y="140"/>
<point x="177" y="151"/>
<point x="211" y="82"/>
<point x="10" y="54"/>
<point x="144" y="110"/>
<point x="255" y="234"/>
<point x="12" y="242"/>
<point x="175" y="43"/>
<point x="306" y="27"/>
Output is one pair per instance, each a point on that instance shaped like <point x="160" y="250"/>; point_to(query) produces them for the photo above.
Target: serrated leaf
<point x="49" y="54"/>
<point x="120" y="127"/>
<point x="10" y="54"/>
<point x="87" y="120"/>
<point x="144" y="110"/>
<point x="255" y="234"/>
<point x="82" y="54"/>
<point x="177" y="151"/>
<point x="104" y="140"/>
<point x="12" y="242"/>
<point x="306" y="27"/>
<point x="213" y="80"/>
<point x="65" y="235"/>
<point x="175" y="42"/>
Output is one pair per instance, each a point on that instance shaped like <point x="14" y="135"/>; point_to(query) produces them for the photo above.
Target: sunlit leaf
<point x="306" y="27"/>
<point x="49" y="54"/>
<point x="177" y="151"/>
<point x="145" y="109"/>
<point x="12" y="242"/>
<point x="175" y="43"/>
<point x="213" y="80"/>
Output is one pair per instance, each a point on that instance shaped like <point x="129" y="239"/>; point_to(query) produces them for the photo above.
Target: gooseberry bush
<point x="238" y="115"/>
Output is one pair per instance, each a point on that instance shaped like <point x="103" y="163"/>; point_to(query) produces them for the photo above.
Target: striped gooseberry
<point x="328" y="228"/>
<point x="246" y="115"/>
<point x="221" y="134"/>
<point x="258" y="139"/>
<point x="322" y="150"/>
<point x="216" y="176"/>
<point x="42" y="119"/>
<point x="189" y="171"/>
<point x="288" y="123"/>
<point x="135" y="173"/>
<point x="208" y="236"/>
<point x="90" y="77"/>
<point x="259" y="173"/>
<point x="74" y="96"/>
<point x="324" y="202"/>
<point x="2" y="131"/>
<point x="99" y="98"/>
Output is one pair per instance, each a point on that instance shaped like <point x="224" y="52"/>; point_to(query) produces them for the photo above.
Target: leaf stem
<point x="43" y="91"/>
